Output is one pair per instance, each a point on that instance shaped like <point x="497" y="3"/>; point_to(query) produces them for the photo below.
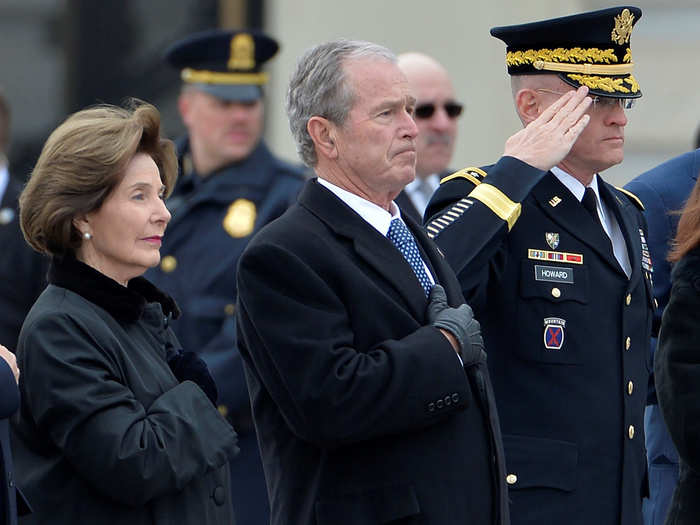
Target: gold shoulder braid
<point x="472" y="174"/>
<point x="632" y="197"/>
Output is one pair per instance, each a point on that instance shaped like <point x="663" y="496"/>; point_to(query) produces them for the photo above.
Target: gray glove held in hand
<point x="459" y="322"/>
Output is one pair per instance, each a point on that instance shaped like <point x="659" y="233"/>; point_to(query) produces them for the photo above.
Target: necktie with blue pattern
<point x="403" y="239"/>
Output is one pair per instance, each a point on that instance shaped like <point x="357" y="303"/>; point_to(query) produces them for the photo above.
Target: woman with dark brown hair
<point x="117" y="425"/>
<point x="677" y="363"/>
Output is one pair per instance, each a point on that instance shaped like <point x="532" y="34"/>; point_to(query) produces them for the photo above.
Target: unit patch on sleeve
<point x="554" y="333"/>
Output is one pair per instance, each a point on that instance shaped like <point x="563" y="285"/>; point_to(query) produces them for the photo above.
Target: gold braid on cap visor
<point x="193" y="76"/>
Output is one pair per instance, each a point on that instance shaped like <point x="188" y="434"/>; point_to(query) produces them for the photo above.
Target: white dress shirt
<point x="606" y="216"/>
<point x="376" y="216"/>
<point x="420" y="191"/>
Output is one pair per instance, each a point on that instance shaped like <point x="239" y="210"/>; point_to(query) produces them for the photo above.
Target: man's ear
<point x="528" y="105"/>
<point x="183" y="105"/>
<point x="322" y="132"/>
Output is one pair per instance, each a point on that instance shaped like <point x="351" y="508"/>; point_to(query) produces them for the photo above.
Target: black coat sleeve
<point x="677" y="368"/>
<point x="297" y="331"/>
<point x="128" y="451"/>
<point x="470" y="221"/>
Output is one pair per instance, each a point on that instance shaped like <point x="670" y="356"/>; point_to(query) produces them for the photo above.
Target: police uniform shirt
<point x="607" y="218"/>
<point x="421" y="189"/>
<point x="377" y="217"/>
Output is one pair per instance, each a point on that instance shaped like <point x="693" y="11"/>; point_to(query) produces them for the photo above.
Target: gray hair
<point x="319" y="87"/>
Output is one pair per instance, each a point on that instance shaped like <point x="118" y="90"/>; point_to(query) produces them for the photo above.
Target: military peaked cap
<point x="224" y="63"/>
<point x="587" y="49"/>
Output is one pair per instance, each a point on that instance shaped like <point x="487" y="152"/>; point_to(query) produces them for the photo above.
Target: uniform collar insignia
<point x="554" y="201"/>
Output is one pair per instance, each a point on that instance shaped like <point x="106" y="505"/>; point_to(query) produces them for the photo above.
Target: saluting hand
<point x="547" y="140"/>
<point x="11" y="360"/>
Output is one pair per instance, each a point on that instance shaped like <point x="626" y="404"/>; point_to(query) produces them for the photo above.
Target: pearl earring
<point x="87" y="236"/>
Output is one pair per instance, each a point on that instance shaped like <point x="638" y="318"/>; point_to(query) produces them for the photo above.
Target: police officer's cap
<point x="224" y="63"/>
<point x="590" y="49"/>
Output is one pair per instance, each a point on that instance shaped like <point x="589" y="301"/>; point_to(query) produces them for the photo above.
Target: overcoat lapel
<point x="376" y="250"/>
<point x="431" y="254"/>
<point x="572" y="216"/>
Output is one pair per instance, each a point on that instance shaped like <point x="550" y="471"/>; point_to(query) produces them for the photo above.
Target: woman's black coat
<point x="105" y="433"/>
<point x="677" y="371"/>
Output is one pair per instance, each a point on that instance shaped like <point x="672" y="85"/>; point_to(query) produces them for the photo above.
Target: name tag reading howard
<point x="554" y="274"/>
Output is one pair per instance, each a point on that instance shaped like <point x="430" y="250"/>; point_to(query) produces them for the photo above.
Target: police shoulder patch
<point x="472" y="174"/>
<point x="637" y="202"/>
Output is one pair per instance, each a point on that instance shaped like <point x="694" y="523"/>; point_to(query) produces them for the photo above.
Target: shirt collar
<point x="377" y="217"/>
<point x="433" y="182"/>
<point x="575" y="186"/>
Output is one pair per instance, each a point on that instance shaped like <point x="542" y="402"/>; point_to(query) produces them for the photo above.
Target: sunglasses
<point x="453" y="110"/>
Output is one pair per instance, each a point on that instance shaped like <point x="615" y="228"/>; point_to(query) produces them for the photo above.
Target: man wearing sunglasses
<point x="555" y="263"/>
<point x="436" y="115"/>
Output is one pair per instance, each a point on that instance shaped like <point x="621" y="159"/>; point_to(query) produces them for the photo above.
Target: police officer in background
<point x="230" y="185"/>
<point x="556" y="265"/>
<point x="22" y="270"/>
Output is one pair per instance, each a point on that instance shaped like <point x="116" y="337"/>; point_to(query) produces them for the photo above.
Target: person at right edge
<point x="663" y="190"/>
<point x="555" y="263"/>
<point x="677" y="363"/>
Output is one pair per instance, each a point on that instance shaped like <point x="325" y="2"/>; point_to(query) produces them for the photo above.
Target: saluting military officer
<point x="230" y="186"/>
<point x="555" y="263"/>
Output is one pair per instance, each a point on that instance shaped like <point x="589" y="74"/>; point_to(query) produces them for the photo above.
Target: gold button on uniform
<point x="631" y="432"/>
<point x="628" y="343"/>
<point x="223" y="410"/>
<point x="630" y="387"/>
<point x="230" y="309"/>
<point x="556" y="292"/>
<point x="628" y="299"/>
<point x="168" y="263"/>
<point x="511" y="479"/>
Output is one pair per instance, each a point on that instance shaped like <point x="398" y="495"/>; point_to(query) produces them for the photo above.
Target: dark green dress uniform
<point x="566" y="332"/>
<point x="213" y="219"/>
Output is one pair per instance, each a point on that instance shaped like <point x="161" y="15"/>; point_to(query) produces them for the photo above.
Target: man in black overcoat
<point x="368" y="381"/>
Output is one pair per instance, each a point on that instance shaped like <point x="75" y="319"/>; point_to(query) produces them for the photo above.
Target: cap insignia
<point x="242" y="52"/>
<point x="623" y="27"/>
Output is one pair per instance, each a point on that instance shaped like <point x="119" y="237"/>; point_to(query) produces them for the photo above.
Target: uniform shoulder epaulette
<point x="472" y="174"/>
<point x="632" y="197"/>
